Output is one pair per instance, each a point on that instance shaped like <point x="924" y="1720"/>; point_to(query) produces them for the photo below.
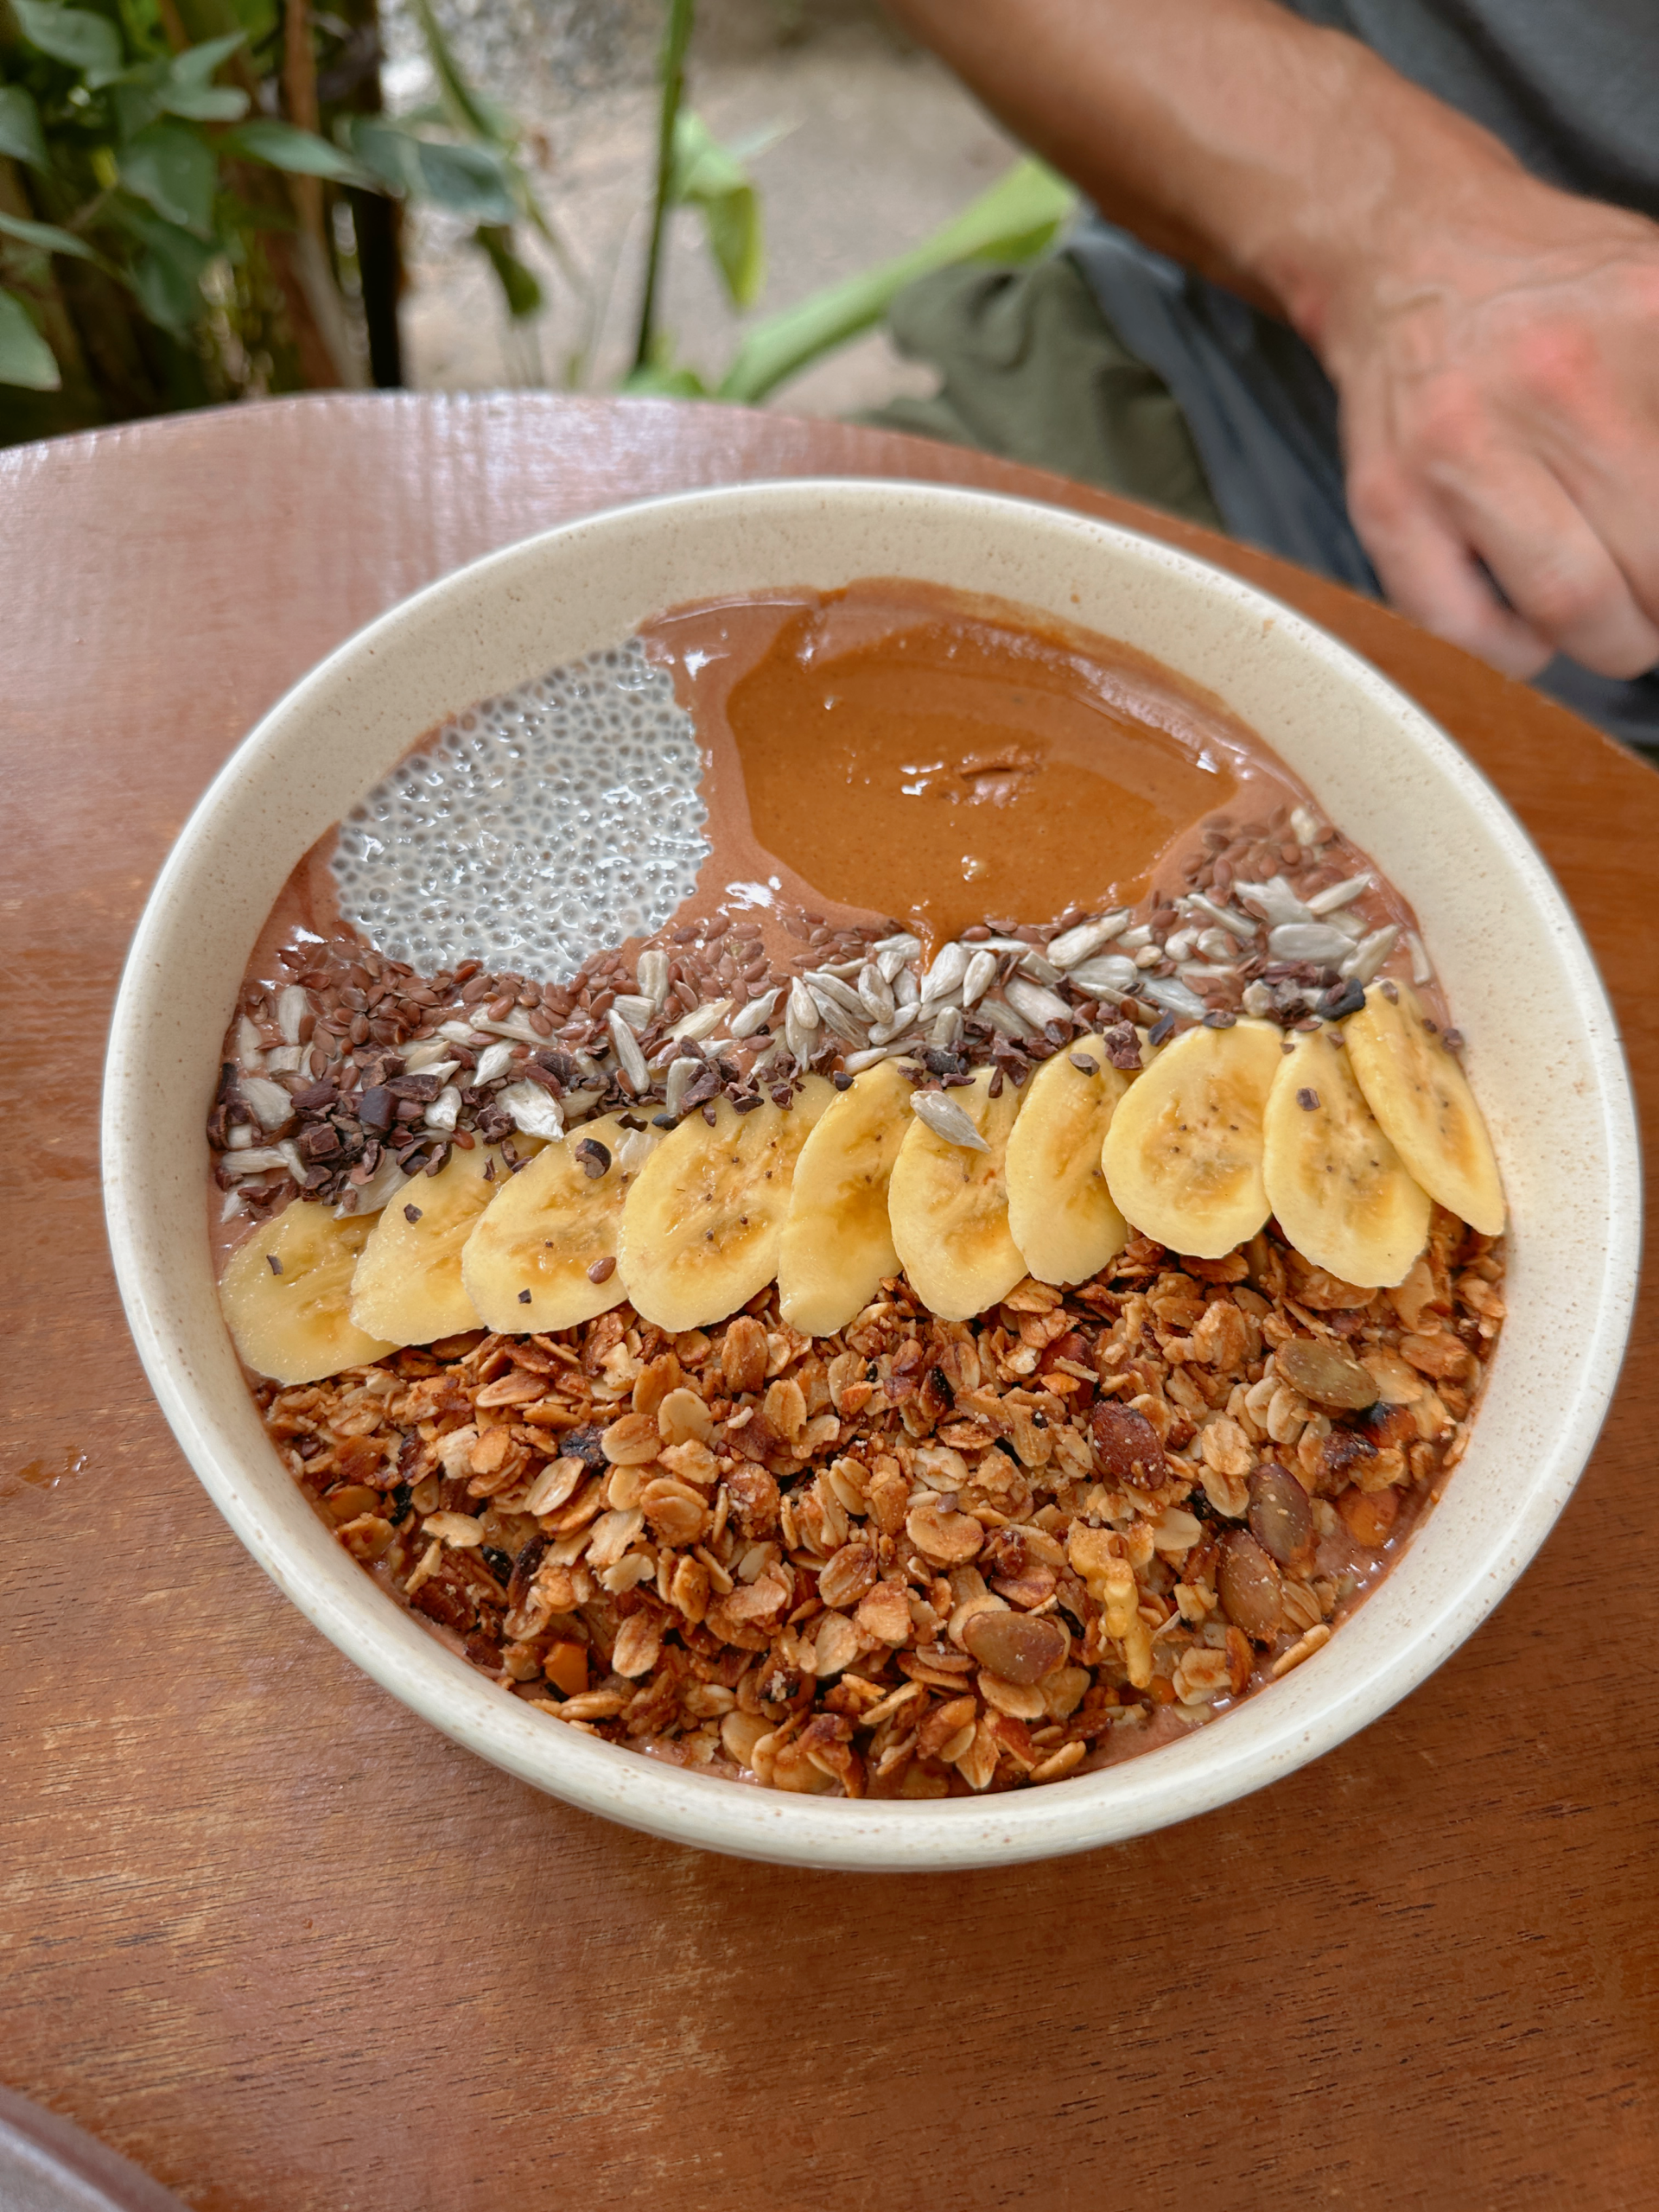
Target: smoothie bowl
<point x="870" y="1176"/>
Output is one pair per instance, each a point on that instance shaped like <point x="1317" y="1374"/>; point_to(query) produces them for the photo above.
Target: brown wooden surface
<point x="269" y="1935"/>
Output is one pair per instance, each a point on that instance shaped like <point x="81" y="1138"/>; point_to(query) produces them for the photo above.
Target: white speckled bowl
<point x="1546" y="1062"/>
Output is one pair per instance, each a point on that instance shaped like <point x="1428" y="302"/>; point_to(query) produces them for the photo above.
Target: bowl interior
<point x="1543" y="1055"/>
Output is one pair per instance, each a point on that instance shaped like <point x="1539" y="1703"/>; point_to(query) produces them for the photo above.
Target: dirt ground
<point x="864" y="146"/>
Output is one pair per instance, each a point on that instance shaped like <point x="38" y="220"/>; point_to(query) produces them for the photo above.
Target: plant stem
<point x="675" y="38"/>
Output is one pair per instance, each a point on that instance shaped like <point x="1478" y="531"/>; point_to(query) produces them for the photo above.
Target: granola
<point x="920" y="1558"/>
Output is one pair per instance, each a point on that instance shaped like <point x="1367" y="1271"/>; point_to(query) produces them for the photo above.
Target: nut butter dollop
<point x="898" y="749"/>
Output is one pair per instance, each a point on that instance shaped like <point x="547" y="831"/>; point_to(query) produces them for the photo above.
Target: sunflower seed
<point x="258" y="1160"/>
<point x="1278" y="902"/>
<point x="1040" y="970"/>
<point x="1135" y="939"/>
<point x="946" y="1032"/>
<point x="1110" y="971"/>
<point x="1003" y="1019"/>
<point x="1306" y="826"/>
<point x="837" y="1018"/>
<point x="1034" y="1003"/>
<point x="979" y="975"/>
<point x="428" y="1058"/>
<point x="269" y="1101"/>
<point x="1258" y="1000"/>
<point x="949" y="966"/>
<point x="532" y="1110"/>
<point x="516" y="1025"/>
<point x="630" y="1059"/>
<point x="293" y="1004"/>
<point x="1174" y="996"/>
<point x="855" y="1062"/>
<point x="905" y="947"/>
<point x="635" y="1009"/>
<point x="1179" y="947"/>
<point x="1338" y="895"/>
<point x="700" y="1022"/>
<point x="1202" y="971"/>
<point x="445" y="1110"/>
<point x="1314" y="941"/>
<point x="652" y="975"/>
<point x="674" y="1089"/>
<point x="1079" y="943"/>
<point x="946" y="1119"/>
<point x="1224" y="917"/>
<point x="754" y="1014"/>
<point x="492" y="1063"/>
<point x="248" y="1051"/>
<point x="284" y="1060"/>
<point x="1370" y="953"/>
<point x="1422" y="968"/>
<point x="826" y="984"/>
<point x="875" y="993"/>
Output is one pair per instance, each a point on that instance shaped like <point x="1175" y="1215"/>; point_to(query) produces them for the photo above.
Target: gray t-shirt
<point x="1572" y="86"/>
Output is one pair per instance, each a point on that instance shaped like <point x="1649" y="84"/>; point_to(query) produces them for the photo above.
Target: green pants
<point x="1031" y="371"/>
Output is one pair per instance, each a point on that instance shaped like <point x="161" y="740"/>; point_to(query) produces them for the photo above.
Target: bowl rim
<point x="1183" y="1779"/>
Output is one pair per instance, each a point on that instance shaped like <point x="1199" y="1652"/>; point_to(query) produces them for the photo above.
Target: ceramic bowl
<point x="1544" y="1060"/>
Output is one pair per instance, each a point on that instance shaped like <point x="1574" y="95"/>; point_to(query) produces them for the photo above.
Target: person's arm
<point x="1495" y="342"/>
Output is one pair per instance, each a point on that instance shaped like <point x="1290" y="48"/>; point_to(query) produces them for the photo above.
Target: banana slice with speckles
<point x="837" y="1241"/>
<point x="531" y="1261"/>
<point x="407" y="1284"/>
<point x="1338" y="1187"/>
<point x="1183" y="1155"/>
<point x="1420" y="1096"/>
<point x="1060" y="1213"/>
<point x="949" y="1206"/>
<point x="286" y="1295"/>
<point x="701" y="1224"/>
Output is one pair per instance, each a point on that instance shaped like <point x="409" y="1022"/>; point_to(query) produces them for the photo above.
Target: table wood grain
<point x="269" y="1935"/>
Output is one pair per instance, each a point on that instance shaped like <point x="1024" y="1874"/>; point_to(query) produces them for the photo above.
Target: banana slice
<point x="701" y="1224"/>
<point x="1335" y="1183"/>
<point x="1183" y="1155"/>
<point x="949" y="1207"/>
<point x="291" y="1321"/>
<point x="408" y="1284"/>
<point x="525" y="1265"/>
<point x="1060" y="1213"/>
<point x="1421" y="1097"/>
<point x="836" y="1243"/>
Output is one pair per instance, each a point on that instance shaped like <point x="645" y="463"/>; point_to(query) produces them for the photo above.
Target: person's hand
<point x="1499" y="378"/>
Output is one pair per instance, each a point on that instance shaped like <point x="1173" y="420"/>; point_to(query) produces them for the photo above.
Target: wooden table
<point x="269" y="1935"/>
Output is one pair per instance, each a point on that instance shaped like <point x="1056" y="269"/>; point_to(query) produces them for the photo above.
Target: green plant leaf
<point x="26" y="360"/>
<point x="470" y="181"/>
<point x="166" y="279"/>
<point x="196" y="65"/>
<point x="174" y="170"/>
<point x="708" y="176"/>
<point x="85" y="41"/>
<point x="285" y="146"/>
<point x="20" y="127"/>
<point x="654" y="383"/>
<point x="518" y="284"/>
<point x="47" y="236"/>
<point x="1018" y="218"/>
<point x="205" y="103"/>
<point x="388" y="151"/>
<point x="136" y="99"/>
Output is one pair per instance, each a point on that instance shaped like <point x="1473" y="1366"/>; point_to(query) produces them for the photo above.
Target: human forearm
<point x="1495" y="341"/>
<point x="1263" y="150"/>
